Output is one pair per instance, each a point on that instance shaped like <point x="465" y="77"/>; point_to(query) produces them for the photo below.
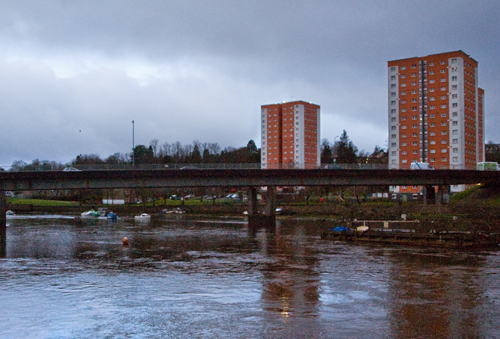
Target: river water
<point x="215" y="278"/>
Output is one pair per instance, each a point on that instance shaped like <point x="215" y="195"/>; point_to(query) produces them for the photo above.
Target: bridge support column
<point x="268" y="219"/>
<point x="3" y="224"/>
<point x="442" y="195"/>
<point x="252" y="201"/>
<point x="429" y="194"/>
<point x="271" y="201"/>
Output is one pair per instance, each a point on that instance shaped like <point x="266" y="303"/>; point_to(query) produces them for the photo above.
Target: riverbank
<point x="476" y="210"/>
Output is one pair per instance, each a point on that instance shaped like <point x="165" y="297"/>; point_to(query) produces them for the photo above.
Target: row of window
<point x="413" y="66"/>
<point x="404" y="161"/>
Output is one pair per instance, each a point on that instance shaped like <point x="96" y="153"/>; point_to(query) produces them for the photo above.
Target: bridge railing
<point x="221" y="166"/>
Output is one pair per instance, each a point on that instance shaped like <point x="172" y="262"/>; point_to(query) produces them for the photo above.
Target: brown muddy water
<point x="213" y="278"/>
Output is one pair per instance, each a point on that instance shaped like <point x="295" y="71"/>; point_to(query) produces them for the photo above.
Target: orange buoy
<point x="125" y="241"/>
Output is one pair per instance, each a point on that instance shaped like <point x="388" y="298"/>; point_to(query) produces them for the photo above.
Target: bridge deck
<point x="12" y="181"/>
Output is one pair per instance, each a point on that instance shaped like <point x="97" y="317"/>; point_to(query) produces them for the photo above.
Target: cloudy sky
<point x="74" y="74"/>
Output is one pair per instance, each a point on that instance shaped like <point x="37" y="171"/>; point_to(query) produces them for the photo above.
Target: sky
<point x="75" y="74"/>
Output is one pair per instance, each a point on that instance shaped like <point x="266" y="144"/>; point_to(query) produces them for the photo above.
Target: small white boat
<point x="362" y="228"/>
<point x="143" y="217"/>
<point x="9" y="212"/>
<point x="90" y="213"/>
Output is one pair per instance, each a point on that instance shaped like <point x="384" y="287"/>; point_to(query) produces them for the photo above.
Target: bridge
<point x="241" y="178"/>
<point x="59" y="180"/>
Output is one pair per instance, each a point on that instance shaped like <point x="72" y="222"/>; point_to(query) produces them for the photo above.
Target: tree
<point x="214" y="148"/>
<point x="346" y="151"/>
<point x="143" y="155"/>
<point x="326" y="152"/>
<point x="253" y="152"/>
<point x="154" y="144"/>
<point x="88" y="159"/>
<point x="196" y="155"/>
<point x="18" y="165"/>
<point x="206" y="155"/>
<point x="251" y="147"/>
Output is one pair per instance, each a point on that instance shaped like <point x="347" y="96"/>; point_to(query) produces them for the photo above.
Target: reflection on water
<point x="64" y="278"/>
<point x="442" y="295"/>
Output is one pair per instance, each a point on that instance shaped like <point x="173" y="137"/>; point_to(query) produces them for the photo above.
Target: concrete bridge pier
<point x="253" y="205"/>
<point x="3" y="224"/>
<point x="268" y="218"/>
<point x="442" y="191"/>
<point x="428" y="195"/>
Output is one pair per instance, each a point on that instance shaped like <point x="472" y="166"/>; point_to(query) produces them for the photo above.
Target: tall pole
<point x="133" y="145"/>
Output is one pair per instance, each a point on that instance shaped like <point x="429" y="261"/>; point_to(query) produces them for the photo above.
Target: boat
<point x="173" y="211"/>
<point x="362" y="228"/>
<point x="9" y="212"/>
<point x="111" y="216"/>
<point x="144" y="217"/>
<point x="91" y="213"/>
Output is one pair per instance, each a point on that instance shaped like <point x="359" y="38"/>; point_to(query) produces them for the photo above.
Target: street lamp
<point x="133" y="145"/>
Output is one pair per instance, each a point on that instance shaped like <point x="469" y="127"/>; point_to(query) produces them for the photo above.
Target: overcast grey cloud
<point x="74" y="74"/>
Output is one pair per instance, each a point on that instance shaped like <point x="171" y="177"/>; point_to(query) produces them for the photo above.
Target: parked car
<point x="421" y="166"/>
<point x="71" y="169"/>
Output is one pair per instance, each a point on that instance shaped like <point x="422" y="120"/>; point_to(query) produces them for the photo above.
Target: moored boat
<point x="90" y="213"/>
<point x="144" y="217"/>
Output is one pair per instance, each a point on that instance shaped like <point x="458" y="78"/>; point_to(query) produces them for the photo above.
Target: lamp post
<point x="133" y="145"/>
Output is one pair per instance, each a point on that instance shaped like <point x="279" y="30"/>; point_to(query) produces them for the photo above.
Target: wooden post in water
<point x="3" y="224"/>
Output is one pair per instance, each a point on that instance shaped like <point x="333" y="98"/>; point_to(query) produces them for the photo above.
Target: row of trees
<point x="342" y="151"/>
<point x="177" y="153"/>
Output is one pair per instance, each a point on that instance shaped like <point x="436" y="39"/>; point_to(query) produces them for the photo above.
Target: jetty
<point x="412" y="237"/>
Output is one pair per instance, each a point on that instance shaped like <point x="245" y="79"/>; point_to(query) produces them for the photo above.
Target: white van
<point x="421" y="166"/>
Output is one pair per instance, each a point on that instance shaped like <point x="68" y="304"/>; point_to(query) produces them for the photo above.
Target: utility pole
<point x="133" y="145"/>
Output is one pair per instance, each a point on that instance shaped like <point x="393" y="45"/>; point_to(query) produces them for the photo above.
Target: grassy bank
<point x="477" y="209"/>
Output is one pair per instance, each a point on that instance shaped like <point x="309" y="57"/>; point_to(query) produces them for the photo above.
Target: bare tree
<point x="177" y="150"/>
<point x="166" y="149"/>
<point x="154" y="145"/>
<point x="214" y="148"/>
<point x="188" y="150"/>
<point x="203" y="147"/>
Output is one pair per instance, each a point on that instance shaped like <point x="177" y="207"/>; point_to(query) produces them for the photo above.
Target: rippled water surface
<point x="185" y="278"/>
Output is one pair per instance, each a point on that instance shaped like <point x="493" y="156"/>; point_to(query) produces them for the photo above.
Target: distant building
<point x="290" y="135"/>
<point x="435" y="113"/>
<point x="492" y="148"/>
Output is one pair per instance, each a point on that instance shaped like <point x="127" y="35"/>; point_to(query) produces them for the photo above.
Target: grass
<point x="462" y="195"/>
<point x="39" y="202"/>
